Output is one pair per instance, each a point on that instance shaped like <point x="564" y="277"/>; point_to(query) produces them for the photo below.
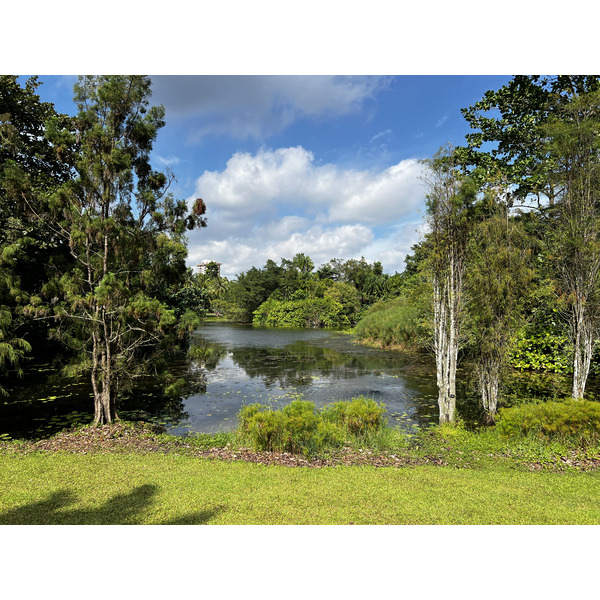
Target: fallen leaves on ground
<point x="119" y="437"/>
<point x="144" y="438"/>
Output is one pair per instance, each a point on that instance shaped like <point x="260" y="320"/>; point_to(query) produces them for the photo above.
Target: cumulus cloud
<point x="252" y="185"/>
<point x="276" y="203"/>
<point x="258" y="106"/>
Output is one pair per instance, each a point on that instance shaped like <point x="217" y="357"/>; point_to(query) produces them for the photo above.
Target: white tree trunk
<point x="488" y="377"/>
<point x="445" y="347"/>
<point x="583" y="347"/>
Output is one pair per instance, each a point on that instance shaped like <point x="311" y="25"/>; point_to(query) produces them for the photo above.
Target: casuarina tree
<point x="574" y="146"/>
<point x="449" y="200"/>
<point x="125" y="232"/>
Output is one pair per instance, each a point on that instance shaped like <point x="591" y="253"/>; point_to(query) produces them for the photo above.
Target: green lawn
<point x="133" y="488"/>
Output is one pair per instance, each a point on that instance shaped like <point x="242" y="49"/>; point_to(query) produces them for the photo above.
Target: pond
<point x="244" y="364"/>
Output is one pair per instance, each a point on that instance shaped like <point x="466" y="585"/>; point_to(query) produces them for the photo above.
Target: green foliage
<point x="299" y="428"/>
<point x="392" y="323"/>
<point x="12" y="349"/>
<point x="359" y="416"/>
<point x="127" y="236"/>
<point x="347" y="296"/>
<point x="30" y="169"/>
<point x="542" y="351"/>
<point x="575" y="420"/>
<point x="511" y="122"/>
<point x="352" y="284"/>
<point x="294" y="428"/>
<point x="312" y="313"/>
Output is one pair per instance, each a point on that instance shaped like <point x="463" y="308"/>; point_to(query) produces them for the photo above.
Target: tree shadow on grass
<point x="122" y="509"/>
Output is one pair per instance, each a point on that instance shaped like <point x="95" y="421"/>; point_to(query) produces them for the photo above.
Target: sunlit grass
<point x="59" y="488"/>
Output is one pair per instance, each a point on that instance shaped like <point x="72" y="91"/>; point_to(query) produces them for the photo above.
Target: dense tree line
<point x="296" y="294"/>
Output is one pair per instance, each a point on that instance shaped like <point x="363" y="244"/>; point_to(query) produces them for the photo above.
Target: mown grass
<point x="60" y="488"/>
<point x="129" y="474"/>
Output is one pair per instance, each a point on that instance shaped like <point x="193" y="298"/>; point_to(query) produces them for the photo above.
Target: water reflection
<point x="234" y="365"/>
<point x="273" y="366"/>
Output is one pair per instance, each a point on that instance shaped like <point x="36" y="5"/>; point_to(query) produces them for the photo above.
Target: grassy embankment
<point x="482" y="481"/>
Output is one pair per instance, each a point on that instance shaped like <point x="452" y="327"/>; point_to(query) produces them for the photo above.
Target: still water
<point x="244" y="364"/>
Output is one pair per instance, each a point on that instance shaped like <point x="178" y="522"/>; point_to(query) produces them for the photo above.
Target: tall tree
<point x="574" y="133"/>
<point x="449" y="200"/>
<point x="497" y="277"/>
<point x="124" y="231"/>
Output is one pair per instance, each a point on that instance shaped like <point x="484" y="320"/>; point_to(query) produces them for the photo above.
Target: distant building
<point x="202" y="266"/>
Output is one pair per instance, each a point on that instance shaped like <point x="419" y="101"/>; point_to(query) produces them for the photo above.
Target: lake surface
<point x="248" y="364"/>
<point x="245" y="364"/>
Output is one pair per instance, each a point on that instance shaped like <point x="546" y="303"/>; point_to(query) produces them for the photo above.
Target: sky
<point x="328" y="166"/>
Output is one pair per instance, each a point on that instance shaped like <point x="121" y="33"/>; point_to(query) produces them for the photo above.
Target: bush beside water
<point x="392" y="323"/>
<point x="300" y="428"/>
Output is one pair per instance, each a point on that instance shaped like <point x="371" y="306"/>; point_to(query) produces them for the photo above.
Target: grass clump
<point x="574" y="421"/>
<point x="359" y="417"/>
<point x="300" y="428"/>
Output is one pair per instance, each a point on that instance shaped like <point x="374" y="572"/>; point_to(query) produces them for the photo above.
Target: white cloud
<point x="290" y="178"/>
<point x="167" y="161"/>
<point x="276" y="203"/>
<point x="258" y="106"/>
<point x="381" y="134"/>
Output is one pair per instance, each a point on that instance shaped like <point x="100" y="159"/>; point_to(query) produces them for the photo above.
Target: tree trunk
<point x="103" y="383"/>
<point x="583" y="345"/>
<point x="488" y="377"/>
<point x="445" y="349"/>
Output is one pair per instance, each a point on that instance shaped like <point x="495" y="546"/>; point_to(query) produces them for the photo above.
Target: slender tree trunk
<point x="583" y="346"/>
<point x="488" y="378"/>
<point x="445" y="348"/>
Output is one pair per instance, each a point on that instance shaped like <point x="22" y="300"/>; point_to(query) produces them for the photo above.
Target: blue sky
<point x="324" y="165"/>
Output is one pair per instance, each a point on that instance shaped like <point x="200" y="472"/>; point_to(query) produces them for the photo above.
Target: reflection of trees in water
<point x="207" y="356"/>
<point x="155" y="407"/>
<point x="148" y="402"/>
<point x="296" y="366"/>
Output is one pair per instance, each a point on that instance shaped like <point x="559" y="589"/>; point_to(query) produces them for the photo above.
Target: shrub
<point x="299" y="426"/>
<point x="359" y="416"/>
<point x="575" y="420"/>
<point x="307" y="312"/>
<point x="542" y="351"/>
<point x="261" y="426"/>
<point x="300" y="429"/>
